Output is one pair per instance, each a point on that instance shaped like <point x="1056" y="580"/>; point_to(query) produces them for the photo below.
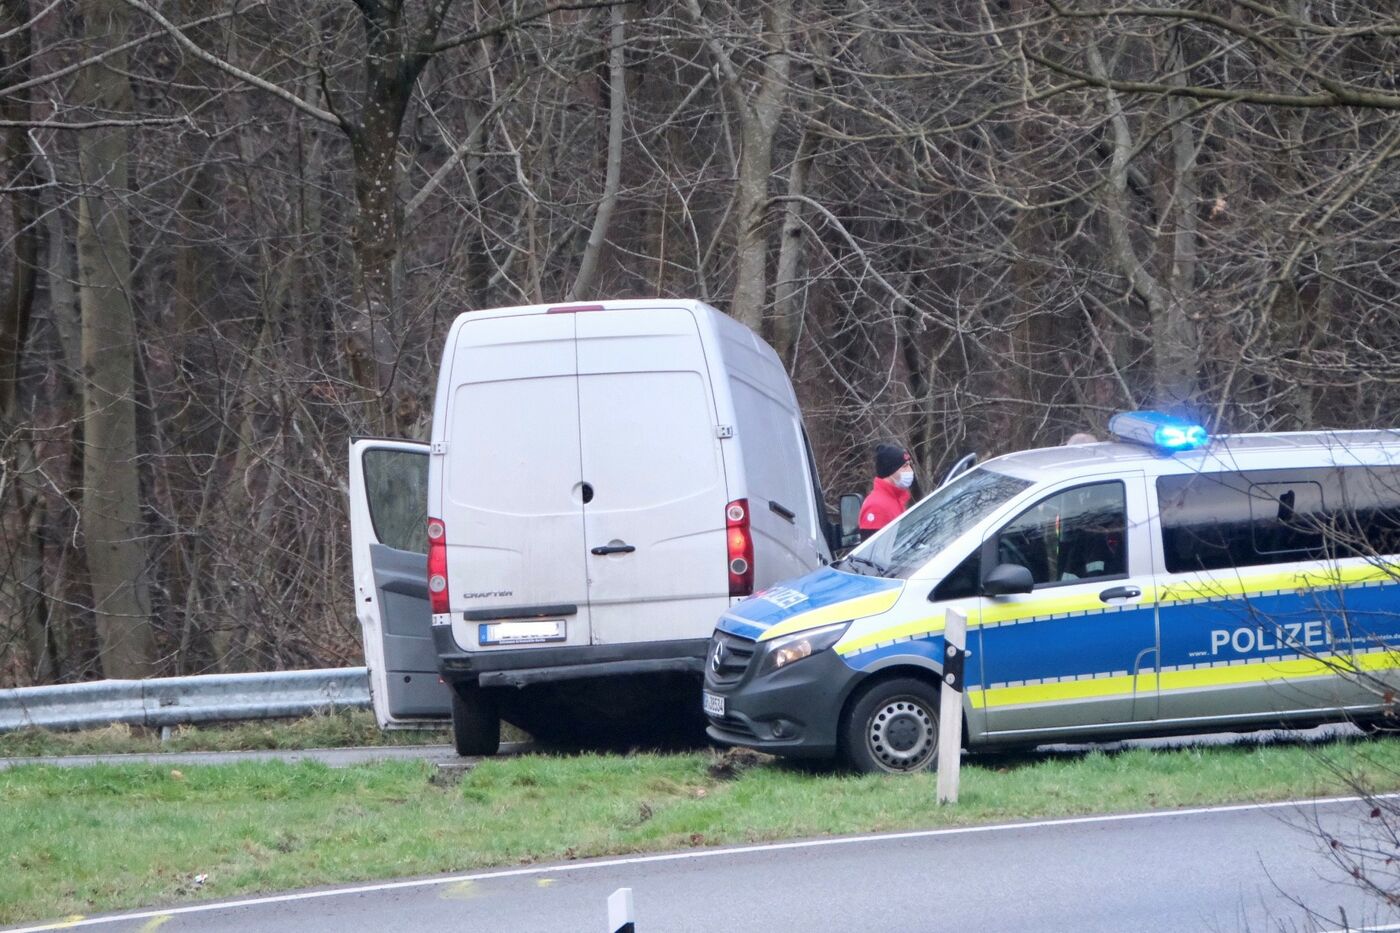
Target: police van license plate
<point x="714" y="703"/>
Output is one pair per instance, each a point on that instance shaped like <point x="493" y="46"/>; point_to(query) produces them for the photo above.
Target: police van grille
<point x="734" y="658"/>
<point x="734" y="726"/>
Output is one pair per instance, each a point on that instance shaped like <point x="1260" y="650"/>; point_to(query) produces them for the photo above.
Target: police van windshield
<point x="937" y="521"/>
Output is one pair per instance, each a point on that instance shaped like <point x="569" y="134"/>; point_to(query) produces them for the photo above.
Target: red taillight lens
<point x="740" y="544"/>
<point x="437" y="566"/>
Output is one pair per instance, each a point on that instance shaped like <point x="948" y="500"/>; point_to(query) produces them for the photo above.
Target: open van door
<point x="389" y="546"/>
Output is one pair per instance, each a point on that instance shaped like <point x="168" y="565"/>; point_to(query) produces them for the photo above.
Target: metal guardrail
<point x="172" y="701"/>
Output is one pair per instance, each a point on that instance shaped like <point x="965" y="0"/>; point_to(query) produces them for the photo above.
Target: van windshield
<point x="934" y="523"/>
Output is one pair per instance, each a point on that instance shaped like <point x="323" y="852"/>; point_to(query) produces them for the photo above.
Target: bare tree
<point x="112" y="524"/>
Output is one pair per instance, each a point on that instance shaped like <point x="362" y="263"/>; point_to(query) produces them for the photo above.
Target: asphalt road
<point x="1219" y="869"/>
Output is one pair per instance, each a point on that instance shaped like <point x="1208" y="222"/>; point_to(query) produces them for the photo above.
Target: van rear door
<point x="389" y="546"/>
<point x="512" y="494"/>
<point x="656" y="491"/>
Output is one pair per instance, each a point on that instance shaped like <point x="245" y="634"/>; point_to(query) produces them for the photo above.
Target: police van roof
<point x="1223" y="452"/>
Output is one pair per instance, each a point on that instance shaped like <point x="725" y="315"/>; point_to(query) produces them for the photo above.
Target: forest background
<point x="235" y="232"/>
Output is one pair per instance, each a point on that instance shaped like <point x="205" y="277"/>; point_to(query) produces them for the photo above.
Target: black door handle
<point x="1120" y="592"/>
<point x="603" y="549"/>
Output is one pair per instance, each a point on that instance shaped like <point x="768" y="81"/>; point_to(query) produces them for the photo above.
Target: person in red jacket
<point x="894" y="474"/>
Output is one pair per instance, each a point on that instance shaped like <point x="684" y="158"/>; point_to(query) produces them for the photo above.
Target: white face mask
<point x="904" y="479"/>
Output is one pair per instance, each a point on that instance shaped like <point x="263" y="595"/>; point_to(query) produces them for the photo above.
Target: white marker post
<point x="620" y="917"/>
<point x="950" y="711"/>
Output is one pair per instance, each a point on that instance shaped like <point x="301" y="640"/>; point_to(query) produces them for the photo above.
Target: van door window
<point x="1073" y="535"/>
<point x="965" y="580"/>
<point x="396" y="488"/>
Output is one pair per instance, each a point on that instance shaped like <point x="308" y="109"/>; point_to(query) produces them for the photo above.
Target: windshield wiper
<point x="854" y="559"/>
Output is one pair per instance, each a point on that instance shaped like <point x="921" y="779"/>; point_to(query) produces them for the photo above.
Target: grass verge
<point x="81" y="840"/>
<point x="338" y="729"/>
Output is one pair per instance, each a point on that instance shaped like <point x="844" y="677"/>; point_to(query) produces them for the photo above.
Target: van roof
<point x="610" y="304"/>
<point x="1224" y="452"/>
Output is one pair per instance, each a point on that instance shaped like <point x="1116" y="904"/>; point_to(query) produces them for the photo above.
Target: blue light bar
<point x="1157" y="429"/>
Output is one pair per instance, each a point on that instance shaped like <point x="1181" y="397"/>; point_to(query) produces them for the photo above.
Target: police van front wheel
<point x="892" y="727"/>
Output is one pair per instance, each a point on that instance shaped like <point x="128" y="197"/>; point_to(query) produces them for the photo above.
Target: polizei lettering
<point x="1288" y="636"/>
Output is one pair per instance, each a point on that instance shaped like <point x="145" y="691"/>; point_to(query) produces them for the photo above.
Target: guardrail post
<point x="620" y="916"/>
<point x="950" y="711"/>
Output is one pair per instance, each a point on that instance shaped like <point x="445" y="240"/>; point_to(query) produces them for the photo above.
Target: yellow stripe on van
<point x="858" y="608"/>
<point x="1266" y="671"/>
<point x="1028" y="694"/>
<point x="1043" y="606"/>
<point x="1226" y="587"/>
<point x="1176" y="591"/>
<point x="1088" y="688"/>
<point x="928" y="625"/>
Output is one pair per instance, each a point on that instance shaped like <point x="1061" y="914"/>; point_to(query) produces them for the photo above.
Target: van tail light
<point x="437" y="566"/>
<point x="740" y="542"/>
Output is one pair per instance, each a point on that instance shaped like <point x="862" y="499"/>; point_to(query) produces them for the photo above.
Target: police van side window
<point x="1214" y="521"/>
<point x="964" y="580"/>
<point x="1287" y="519"/>
<point x="1078" y="534"/>
<point x="1208" y="519"/>
<point x="1368" y="522"/>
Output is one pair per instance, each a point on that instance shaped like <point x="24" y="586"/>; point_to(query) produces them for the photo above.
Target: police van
<point x="1161" y="582"/>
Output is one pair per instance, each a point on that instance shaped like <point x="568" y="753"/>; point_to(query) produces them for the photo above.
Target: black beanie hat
<point x="888" y="459"/>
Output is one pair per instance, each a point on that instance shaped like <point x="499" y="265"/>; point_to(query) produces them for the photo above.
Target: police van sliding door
<point x="1276" y="591"/>
<point x="1080" y="649"/>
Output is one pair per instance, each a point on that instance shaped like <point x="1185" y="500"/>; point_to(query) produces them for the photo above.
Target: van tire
<point x="476" y="722"/>
<point x="892" y="727"/>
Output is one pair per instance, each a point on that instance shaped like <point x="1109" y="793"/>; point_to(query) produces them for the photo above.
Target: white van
<point x="603" y="481"/>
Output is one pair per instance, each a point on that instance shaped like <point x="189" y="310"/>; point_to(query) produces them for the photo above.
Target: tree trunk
<point x="21" y="569"/>
<point x="586" y="280"/>
<point x="111" y="516"/>
<point x="1173" y="336"/>
<point x="759" y="115"/>
<point x="788" y="291"/>
<point x="375" y="338"/>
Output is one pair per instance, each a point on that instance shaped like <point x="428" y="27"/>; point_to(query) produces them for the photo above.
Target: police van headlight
<point x="793" y="648"/>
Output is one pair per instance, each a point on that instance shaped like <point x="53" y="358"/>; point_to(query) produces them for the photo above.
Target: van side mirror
<point x="850" y="519"/>
<point x="1007" y="579"/>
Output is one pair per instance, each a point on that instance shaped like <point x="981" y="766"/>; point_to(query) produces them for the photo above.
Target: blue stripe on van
<point x="821" y="588"/>
<point x="928" y="647"/>
<point x="1283" y="624"/>
<point x="1036" y="649"/>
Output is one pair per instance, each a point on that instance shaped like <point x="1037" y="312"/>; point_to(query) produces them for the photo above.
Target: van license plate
<point x="714" y="703"/>
<point x="520" y="633"/>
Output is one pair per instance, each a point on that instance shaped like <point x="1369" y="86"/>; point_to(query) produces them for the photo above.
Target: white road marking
<point x="696" y="854"/>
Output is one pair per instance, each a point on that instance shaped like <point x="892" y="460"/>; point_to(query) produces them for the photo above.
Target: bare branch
<point x="247" y="77"/>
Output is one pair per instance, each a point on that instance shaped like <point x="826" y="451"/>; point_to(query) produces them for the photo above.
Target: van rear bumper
<point x="519" y="667"/>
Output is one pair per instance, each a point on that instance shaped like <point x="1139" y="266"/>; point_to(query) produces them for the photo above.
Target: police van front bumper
<point x="793" y="711"/>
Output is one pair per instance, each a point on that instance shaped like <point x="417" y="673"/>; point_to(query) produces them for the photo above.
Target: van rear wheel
<point x="476" y="721"/>
<point x="892" y="728"/>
